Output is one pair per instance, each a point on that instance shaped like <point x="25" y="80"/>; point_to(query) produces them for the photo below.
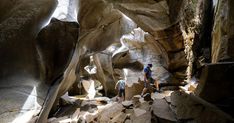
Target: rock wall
<point x="215" y="82"/>
<point x="137" y="50"/>
<point x="49" y="66"/>
<point x="222" y="36"/>
<point x="101" y="28"/>
<point x="161" y="20"/>
<point x="109" y="22"/>
<point x="22" y="88"/>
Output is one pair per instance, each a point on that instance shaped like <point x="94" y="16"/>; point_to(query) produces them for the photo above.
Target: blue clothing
<point x="148" y="72"/>
<point x="121" y="84"/>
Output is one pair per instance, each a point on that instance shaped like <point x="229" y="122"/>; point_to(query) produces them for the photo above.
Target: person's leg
<point x="156" y="84"/>
<point x="124" y="94"/>
<point x="119" y="95"/>
<point x="143" y="91"/>
<point x="146" y="86"/>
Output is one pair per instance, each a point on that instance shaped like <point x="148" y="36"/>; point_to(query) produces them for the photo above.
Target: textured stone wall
<point x="161" y="20"/>
<point x="216" y="83"/>
<point x="222" y="36"/>
<point x="22" y="88"/>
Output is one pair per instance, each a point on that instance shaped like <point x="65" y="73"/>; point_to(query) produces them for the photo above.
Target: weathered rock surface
<point x="155" y="16"/>
<point x="23" y="89"/>
<point x="162" y="110"/>
<point x="217" y="87"/>
<point x="222" y="37"/>
<point x="135" y="89"/>
<point x="105" y="25"/>
<point x="34" y="74"/>
<point x="98" y="31"/>
<point x="127" y="104"/>
<point x="56" y="47"/>
<point x="182" y="107"/>
<point x="190" y="107"/>
<point x="152" y="17"/>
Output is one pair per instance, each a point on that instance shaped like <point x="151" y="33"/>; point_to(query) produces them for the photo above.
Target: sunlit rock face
<point x="101" y="25"/>
<point x="107" y="24"/>
<point x="222" y="36"/>
<point x="105" y="72"/>
<point x="66" y="10"/>
<point x="22" y="88"/>
<point x="139" y="49"/>
<point x="49" y="66"/>
<point x="150" y="15"/>
<point x="161" y="20"/>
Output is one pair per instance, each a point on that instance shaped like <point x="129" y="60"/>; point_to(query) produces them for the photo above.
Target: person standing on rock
<point x="148" y="79"/>
<point x="120" y="86"/>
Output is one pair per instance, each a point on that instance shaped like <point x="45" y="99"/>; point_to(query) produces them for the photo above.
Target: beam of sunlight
<point x="65" y="10"/>
<point x="89" y="88"/>
<point x="91" y="68"/>
<point x="215" y="2"/>
<point x="29" y="109"/>
<point x="125" y="73"/>
<point x="126" y="17"/>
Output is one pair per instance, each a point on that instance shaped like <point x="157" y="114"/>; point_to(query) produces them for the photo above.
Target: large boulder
<point x="216" y="85"/>
<point x="56" y="43"/>
<point x="162" y="110"/>
<point x="191" y="108"/>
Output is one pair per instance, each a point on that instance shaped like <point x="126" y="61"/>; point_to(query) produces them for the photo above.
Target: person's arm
<point x="116" y="85"/>
<point x="146" y="70"/>
<point x="145" y="78"/>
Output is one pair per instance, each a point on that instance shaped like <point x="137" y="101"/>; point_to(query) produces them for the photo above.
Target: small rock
<point x="119" y="118"/>
<point x="110" y="111"/>
<point x="168" y="99"/>
<point x="141" y="100"/>
<point x="128" y="121"/>
<point x="162" y="110"/>
<point x="158" y="95"/>
<point x="144" y="118"/>
<point x="135" y="100"/>
<point x="139" y="111"/>
<point x="50" y="120"/>
<point x="129" y="111"/>
<point x="127" y="104"/>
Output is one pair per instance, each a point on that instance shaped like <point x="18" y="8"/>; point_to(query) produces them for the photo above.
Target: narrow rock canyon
<point x="61" y="61"/>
